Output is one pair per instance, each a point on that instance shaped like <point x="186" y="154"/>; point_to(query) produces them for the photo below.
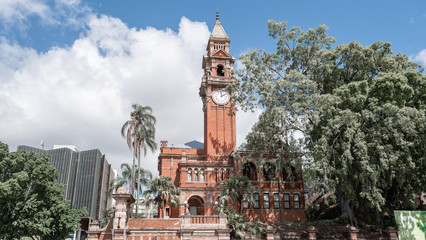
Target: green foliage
<point x="162" y="191"/>
<point x="361" y="111"/>
<point x="139" y="132"/>
<point x="237" y="223"/>
<point x="107" y="214"/>
<point x="237" y="188"/>
<point x="126" y="177"/>
<point x="240" y="227"/>
<point x="31" y="200"/>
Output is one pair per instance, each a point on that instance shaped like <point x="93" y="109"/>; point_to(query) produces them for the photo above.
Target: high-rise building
<point x="86" y="175"/>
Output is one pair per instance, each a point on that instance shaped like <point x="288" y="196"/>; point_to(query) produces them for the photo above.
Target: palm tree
<point x="126" y="178"/>
<point x="145" y="139"/>
<point x="139" y="132"/>
<point x="162" y="191"/>
<point x="238" y="188"/>
<point x="128" y="131"/>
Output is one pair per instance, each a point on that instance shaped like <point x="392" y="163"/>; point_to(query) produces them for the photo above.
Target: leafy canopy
<point x="31" y="200"/>
<point x="360" y="110"/>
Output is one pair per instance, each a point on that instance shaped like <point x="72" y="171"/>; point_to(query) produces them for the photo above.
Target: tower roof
<point x="218" y="31"/>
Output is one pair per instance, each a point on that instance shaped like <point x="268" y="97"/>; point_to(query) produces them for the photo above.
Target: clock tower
<point x="219" y="117"/>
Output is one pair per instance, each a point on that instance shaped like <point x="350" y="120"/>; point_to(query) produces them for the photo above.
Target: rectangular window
<point x="276" y="200"/>
<point x="167" y="212"/>
<point x="256" y="201"/>
<point x="286" y="200"/>
<point x="296" y="200"/>
<point x="189" y="176"/>
<point x="195" y="176"/>
<point x="266" y="200"/>
<point x="245" y="204"/>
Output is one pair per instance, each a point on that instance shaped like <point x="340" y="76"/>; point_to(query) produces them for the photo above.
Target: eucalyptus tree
<point x="162" y="191"/>
<point x="276" y="153"/>
<point x="360" y="109"/>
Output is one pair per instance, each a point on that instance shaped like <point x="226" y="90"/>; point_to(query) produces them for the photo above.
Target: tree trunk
<point x="347" y="210"/>
<point x="132" y="178"/>
<point x="139" y="185"/>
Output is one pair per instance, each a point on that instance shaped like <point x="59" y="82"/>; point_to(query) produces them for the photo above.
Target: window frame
<point x="266" y="203"/>
<point x="296" y="203"/>
<point x="189" y="178"/>
<point x="256" y="204"/>
<point x="245" y="204"/>
<point x="196" y="176"/>
<point x="277" y="201"/>
<point x="202" y="178"/>
<point x="286" y="201"/>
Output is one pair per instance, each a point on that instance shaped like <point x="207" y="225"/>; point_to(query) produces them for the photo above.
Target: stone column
<point x="353" y="233"/>
<point x="391" y="233"/>
<point x="312" y="233"/>
<point x="123" y="201"/>
<point x="270" y="233"/>
<point x="94" y="230"/>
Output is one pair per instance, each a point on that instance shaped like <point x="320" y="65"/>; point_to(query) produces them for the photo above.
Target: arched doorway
<point x="196" y="205"/>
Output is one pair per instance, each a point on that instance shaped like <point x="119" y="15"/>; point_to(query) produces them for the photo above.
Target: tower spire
<point x="217" y="16"/>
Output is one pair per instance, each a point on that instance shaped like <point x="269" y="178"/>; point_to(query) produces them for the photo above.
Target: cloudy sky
<point x="70" y="69"/>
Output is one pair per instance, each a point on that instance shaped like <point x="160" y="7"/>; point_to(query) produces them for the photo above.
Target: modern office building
<point x="86" y="175"/>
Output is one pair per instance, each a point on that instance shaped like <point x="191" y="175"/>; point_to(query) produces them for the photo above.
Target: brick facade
<point x="199" y="172"/>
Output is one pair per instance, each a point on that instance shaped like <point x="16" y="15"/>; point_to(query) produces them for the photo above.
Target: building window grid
<point x="286" y="200"/>
<point x="266" y="203"/>
<point x="256" y="201"/>
<point x="296" y="200"/>
<point x="276" y="200"/>
<point x="245" y="203"/>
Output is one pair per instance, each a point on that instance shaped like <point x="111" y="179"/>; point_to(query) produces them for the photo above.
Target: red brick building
<point x="199" y="172"/>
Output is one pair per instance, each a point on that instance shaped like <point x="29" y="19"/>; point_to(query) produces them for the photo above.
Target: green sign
<point x="411" y="225"/>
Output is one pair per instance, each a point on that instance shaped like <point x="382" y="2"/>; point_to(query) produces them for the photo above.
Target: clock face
<point x="221" y="97"/>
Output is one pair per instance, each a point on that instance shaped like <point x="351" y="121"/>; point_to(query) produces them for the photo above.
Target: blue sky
<point x="403" y="23"/>
<point x="70" y="69"/>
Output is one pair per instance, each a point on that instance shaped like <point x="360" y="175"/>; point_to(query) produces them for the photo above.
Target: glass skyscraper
<point x="86" y="175"/>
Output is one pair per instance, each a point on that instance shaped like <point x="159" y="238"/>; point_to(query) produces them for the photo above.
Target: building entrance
<point x="196" y="205"/>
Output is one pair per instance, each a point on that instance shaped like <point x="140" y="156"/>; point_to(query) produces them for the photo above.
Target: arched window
<point x="289" y="174"/>
<point x="202" y="175"/>
<point x="189" y="174"/>
<point x="249" y="170"/>
<point x="220" y="71"/>
<point x="268" y="172"/>
<point x="195" y="175"/>
<point x="216" y="175"/>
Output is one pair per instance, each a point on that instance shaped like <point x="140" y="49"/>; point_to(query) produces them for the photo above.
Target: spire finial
<point x="217" y="15"/>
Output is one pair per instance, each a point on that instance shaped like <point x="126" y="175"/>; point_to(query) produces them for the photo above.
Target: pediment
<point x="221" y="53"/>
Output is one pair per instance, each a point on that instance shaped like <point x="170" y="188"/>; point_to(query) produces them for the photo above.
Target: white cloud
<point x="53" y="12"/>
<point x="82" y="95"/>
<point x="421" y="57"/>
